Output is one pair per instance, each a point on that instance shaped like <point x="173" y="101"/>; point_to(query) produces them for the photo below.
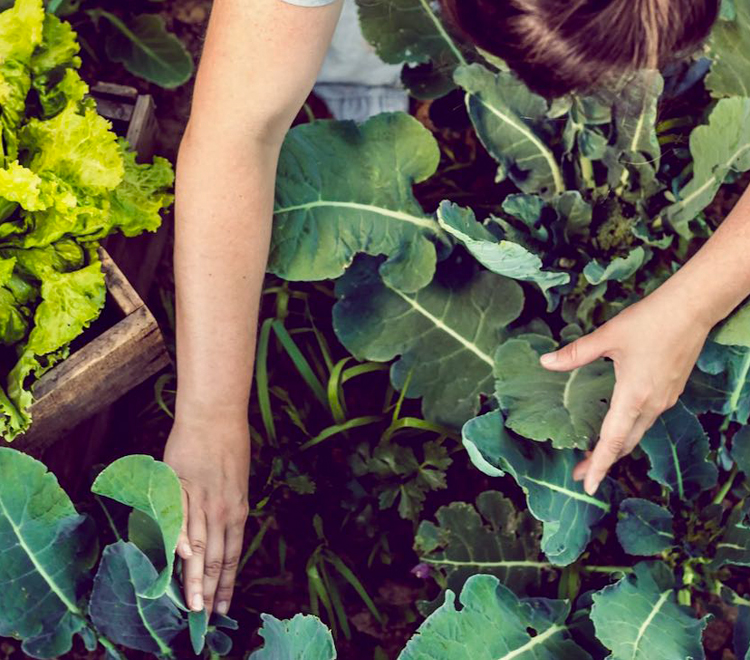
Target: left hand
<point x="654" y="345"/>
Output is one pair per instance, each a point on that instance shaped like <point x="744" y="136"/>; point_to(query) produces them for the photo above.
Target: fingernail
<point x="197" y="602"/>
<point x="592" y="488"/>
<point x="187" y="549"/>
<point x="548" y="358"/>
<point x="222" y="607"/>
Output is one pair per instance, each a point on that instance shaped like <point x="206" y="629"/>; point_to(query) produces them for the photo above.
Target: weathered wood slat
<point x="98" y="373"/>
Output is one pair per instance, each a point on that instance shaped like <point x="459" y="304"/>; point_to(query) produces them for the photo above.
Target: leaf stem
<point x="607" y="569"/>
<point x="719" y="498"/>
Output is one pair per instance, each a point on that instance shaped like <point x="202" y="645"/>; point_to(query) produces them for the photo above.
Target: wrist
<point x="202" y="409"/>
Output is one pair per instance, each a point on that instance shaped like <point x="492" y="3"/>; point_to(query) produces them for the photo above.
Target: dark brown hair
<point x="559" y="46"/>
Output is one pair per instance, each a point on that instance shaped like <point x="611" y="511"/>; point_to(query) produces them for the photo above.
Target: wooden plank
<point x="113" y="89"/>
<point x="122" y="292"/>
<point x="94" y="377"/>
<point x="142" y="130"/>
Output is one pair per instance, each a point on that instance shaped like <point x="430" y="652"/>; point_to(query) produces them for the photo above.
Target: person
<point x="259" y="62"/>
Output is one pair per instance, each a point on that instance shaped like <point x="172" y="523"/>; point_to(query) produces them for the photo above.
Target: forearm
<point x="717" y="278"/>
<point x="224" y="206"/>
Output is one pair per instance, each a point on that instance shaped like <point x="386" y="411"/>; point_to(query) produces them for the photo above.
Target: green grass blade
<point x="338" y="606"/>
<point x="261" y="379"/>
<point x="340" y="428"/>
<point x="362" y="369"/>
<point x="420" y="425"/>
<point x="335" y="394"/>
<point x="300" y="362"/>
<point x="402" y="396"/>
<point x="255" y="543"/>
<point x="349" y="576"/>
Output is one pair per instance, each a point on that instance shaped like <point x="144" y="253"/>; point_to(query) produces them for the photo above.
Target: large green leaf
<point x="617" y="270"/>
<point x="545" y="475"/>
<point x="644" y="528"/>
<point x="730" y="51"/>
<point x="46" y="552"/>
<point x="735" y="330"/>
<point x="411" y="31"/>
<point x="492" y="538"/>
<point x="734" y="545"/>
<point x="344" y="188"/>
<point x="717" y="148"/>
<point x="677" y="447"/>
<point x="638" y="618"/>
<point x="502" y="257"/>
<point x="300" y="638"/>
<point x="741" y="450"/>
<point x="494" y="624"/>
<point x="124" y="616"/>
<point x="445" y="335"/>
<point x="508" y="119"/>
<point x="146" y="49"/>
<point x="565" y="407"/>
<point x="153" y="488"/>
<point x="721" y="382"/>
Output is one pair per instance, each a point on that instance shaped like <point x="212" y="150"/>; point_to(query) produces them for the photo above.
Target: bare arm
<point x="259" y="63"/>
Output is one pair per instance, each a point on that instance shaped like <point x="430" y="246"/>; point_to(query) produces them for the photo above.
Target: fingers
<point x="576" y="354"/>
<point x="193" y="567"/>
<point x="232" y="551"/>
<point x="214" y="560"/>
<point x="183" y="542"/>
<point x="616" y="431"/>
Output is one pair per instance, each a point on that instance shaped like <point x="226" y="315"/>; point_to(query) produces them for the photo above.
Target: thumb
<point x="183" y="543"/>
<point x="576" y="354"/>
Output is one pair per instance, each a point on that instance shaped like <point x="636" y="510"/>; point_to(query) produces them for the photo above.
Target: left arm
<point x="655" y="342"/>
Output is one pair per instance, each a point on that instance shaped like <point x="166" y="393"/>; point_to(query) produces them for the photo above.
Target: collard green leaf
<point x="565" y="407"/>
<point x="644" y="528"/>
<point x="734" y="546"/>
<point x="146" y="49"/>
<point x="545" y="475"/>
<point x="493" y="624"/>
<point x="413" y="32"/>
<point x="198" y="626"/>
<point x="124" y="616"/>
<point x="46" y="552"/>
<point x="735" y="330"/>
<point x="677" y="447"/>
<point x="741" y="633"/>
<point x="153" y="488"/>
<point x="741" y="450"/>
<point x="344" y="188"/>
<point x="617" y="270"/>
<point x="492" y="538"/>
<point x="717" y="148"/>
<point x="144" y="532"/>
<point x="635" y="111"/>
<point x="632" y="617"/>
<point x="502" y="257"/>
<point x="730" y="52"/>
<point x="445" y="335"/>
<point x="300" y="638"/>
<point x="508" y="117"/>
<point x="721" y="382"/>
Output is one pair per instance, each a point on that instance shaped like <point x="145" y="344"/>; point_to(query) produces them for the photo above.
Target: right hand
<point x="212" y="460"/>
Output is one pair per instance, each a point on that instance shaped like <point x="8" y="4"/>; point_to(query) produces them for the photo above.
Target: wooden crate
<point x="73" y="400"/>
<point x="100" y="372"/>
<point x="134" y="115"/>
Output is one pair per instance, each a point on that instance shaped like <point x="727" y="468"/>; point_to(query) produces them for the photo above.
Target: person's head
<point x="559" y="46"/>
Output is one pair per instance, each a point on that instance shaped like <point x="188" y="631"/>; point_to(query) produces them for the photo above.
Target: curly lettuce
<point x="66" y="182"/>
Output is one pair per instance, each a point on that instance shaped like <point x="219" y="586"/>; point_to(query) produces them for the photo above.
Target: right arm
<point x="259" y="63"/>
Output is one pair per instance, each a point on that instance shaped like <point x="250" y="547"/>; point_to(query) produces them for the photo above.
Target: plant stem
<point x="727" y="486"/>
<point x="607" y="569"/>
